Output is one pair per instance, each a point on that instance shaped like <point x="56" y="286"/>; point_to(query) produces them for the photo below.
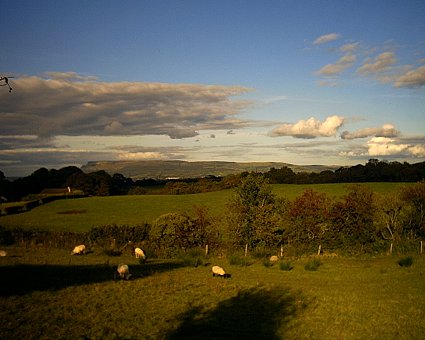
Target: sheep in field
<point x="274" y="258"/>
<point x="79" y="250"/>
<point x="123" y="271"/>
<point x="219" y="271"/>
<point x="139" y="254"/>
<point x="3" y="253"/>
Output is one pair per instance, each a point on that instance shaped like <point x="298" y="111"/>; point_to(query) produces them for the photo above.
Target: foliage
<point x="312" y="265"/>
<point x="267" y="263"/>
<point x="6" y="237"/>
<point x="236" y="259"/>
<point x="286" y="265"/>
<point x="113" y="239"/>
<point x="406" y="261"/>
<point x="174" y="232"/>
<point x="352" y="218"/>
<point x="45" y="238"/>
<point x="414" y="196"/>
<point x="390" y="209"/>
<point x="192" y="258"/>
<point x="308" y="217"/>
<point x="253" y="218"/>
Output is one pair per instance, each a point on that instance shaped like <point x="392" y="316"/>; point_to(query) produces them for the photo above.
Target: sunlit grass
<point x="362" y="298"/>
<point x="134" y="210"/>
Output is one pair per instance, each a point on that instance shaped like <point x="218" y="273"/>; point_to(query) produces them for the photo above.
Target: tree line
<point x="100" y="183"/>
<point x="361" y="221"/>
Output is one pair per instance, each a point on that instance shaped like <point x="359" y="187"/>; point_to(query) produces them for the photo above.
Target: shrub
<point x="112" y="252"/>
<point x="286" y="265"/>
<point x="261" y="253"/>
<point x="6" y="237"/>
<point x="312" y="265"/>
<point x="406" y="261"/>
<point x="119" y="235"/>
<point x="192" y="258"/>
<point x="267" y="263"/>
<point x="238" y="260"/>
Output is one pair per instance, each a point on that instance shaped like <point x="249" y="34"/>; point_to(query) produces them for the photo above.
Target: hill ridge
<point x="162" y="169"/>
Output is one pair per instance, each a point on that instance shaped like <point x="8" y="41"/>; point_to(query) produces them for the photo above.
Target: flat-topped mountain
<point x="160" y="169"/>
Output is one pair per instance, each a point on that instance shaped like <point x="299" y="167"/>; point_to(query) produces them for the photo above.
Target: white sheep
<point x="3" y="253"/>
<point x="139" y="253"/>
<point x="219" y="271"/>
<point x="274" y="258"/>
<point x="79" y="250"/>
<point x="123" y="271"/>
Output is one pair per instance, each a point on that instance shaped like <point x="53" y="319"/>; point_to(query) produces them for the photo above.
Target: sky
<point x="301" y="82"/>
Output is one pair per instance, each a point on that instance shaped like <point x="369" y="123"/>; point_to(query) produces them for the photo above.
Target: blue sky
<point x="303" y="82"/>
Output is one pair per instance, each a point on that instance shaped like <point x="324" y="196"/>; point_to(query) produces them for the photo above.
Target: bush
<point x="118" y="235"/>
<point x="267" y="263"/>
<point x="261" y="253"/>
<point x="192" y="258"/>
<point x="6" y="237"/>
<point x="112" y="252"/>
<point x="406" y="261"/>
<point x="238" y="260"/>
<point x="312" y="265"/>
<point x="286" y="266"/>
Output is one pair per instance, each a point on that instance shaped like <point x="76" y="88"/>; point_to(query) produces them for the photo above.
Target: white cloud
<point x="69" y="76"/>
<point x="139" y="155"/>
<point x="387" y="130"/>
<point x="310" y="128"/>
<point x="326" y="38"/>
<point x="382" y="146"/>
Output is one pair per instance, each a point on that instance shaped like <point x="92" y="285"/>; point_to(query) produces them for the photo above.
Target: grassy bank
<point x="83" y="213"/>
<point x="46" y="293"/>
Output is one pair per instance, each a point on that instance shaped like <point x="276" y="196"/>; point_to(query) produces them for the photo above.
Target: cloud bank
<point x="69" y="104"/>
<point x="387" y="130"/>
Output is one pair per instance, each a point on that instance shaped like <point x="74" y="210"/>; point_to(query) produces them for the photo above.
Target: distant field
<point x="48" y="294"/>
<point x="83" y="213"/>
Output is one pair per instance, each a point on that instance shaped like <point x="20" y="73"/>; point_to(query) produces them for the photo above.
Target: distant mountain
<point x="182" y="169"/>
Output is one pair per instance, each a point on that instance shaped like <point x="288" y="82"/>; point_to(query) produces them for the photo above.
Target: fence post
<point x="319" y="250"/>
<point x="246" y="249"/>
<point x="391" y="248"/>
<point x="281" y="251"/>
<point x="206" y="250"/>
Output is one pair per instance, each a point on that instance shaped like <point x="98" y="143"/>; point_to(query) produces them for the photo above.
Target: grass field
<point x="48" y="294"/>
<point x="83" y="213"/>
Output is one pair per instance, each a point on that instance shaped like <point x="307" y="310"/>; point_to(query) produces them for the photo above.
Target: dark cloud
<point x="69" y="104"/>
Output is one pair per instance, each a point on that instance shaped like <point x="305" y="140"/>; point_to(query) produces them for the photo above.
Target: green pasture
<point x="83" y="213"/>
<point x="49" y="294"/>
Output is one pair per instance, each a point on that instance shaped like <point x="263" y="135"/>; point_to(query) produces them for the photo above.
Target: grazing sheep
<point x="123" y="271"/>
<point x="274" y="258"/>
<point x="219" y="271"/>
<point x="3" y="253"/>
<point x="139" y="253"/>
<point x="79" y="250"/>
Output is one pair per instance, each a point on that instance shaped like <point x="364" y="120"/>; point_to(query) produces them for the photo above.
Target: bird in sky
<point x="6" y="82"/>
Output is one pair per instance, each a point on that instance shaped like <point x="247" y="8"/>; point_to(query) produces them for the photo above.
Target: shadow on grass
<point x="256" y="313"/>
<point x="22" y="279"/>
